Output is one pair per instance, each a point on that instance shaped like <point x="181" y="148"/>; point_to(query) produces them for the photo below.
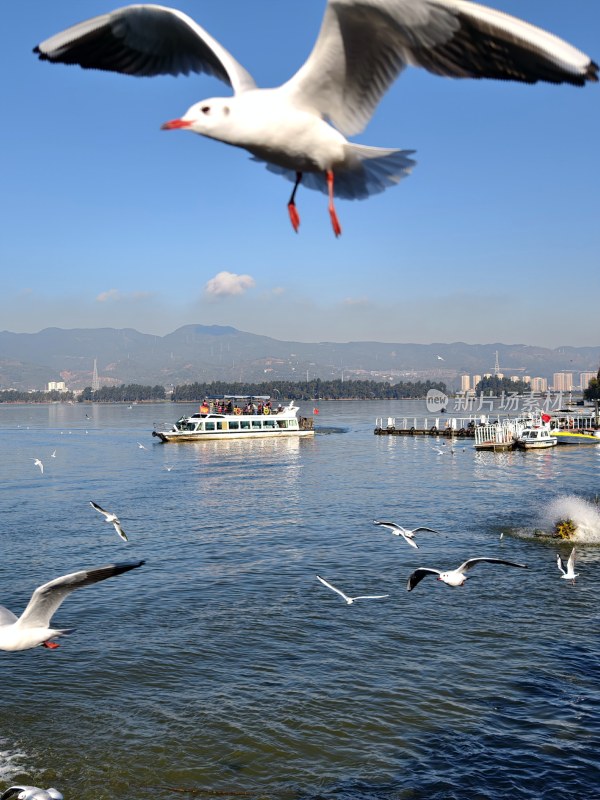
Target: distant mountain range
<point x="213" y="352"/>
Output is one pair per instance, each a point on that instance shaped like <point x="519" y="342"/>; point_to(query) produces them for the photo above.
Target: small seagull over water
<point x="141" y="446"/>
<point x="299" y="128"/>
<point x="32" y="628"/>
<point x="30" y="793"/>
<point x="569" y="573"/>
<point x="407" y="534"/>
<point x="110" y="517"/>
<point x="456" y="577"/>
<point x="351" y="600"/>
<point x="53" y="454"/>
<point x="38" y="463"/>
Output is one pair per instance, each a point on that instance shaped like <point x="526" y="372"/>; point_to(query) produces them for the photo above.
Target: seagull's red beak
<point x="175" y="123"/>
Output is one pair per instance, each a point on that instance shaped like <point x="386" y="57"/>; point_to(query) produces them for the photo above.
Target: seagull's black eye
<point x="226" y="110"/>
<point x="205" y="109"/>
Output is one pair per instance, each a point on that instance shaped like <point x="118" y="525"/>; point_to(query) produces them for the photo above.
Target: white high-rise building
<point x="56" y="386"/>
<point x="539" y="385"/>
<point x="465" y="383"/>
<point x="585" y="378"/>
<point x="562" y="381"/>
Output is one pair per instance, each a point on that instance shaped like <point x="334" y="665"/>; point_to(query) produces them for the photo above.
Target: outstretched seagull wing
<point x="100" y="509"/>
<point x="48" y="597"/>
<point x="334" y="588"/>
<point x="119" y="530"/>
<point x="418" y="575"/>
<point x="560" y="564"/>
<point x="145" y="40"/>
<point x="370" y="596"/>
<point x="391" y="525"/>
<point x="472" y="562"/>
<point x="363" y="46"/>
<point x="423" y="528"/>
<point x="6" y="618"/>
<point x="571" y="561"/>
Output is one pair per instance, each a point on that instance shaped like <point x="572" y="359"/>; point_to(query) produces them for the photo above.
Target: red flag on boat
<point x="546" y="417"/>
<point x="315" y="410"/>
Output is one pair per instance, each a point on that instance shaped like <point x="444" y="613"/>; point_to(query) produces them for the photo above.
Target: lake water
<point x="223" y="667"/>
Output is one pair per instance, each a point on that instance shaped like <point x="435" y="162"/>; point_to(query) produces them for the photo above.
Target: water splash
<point x="10" y="761"/>
<point x="584" y="514"/>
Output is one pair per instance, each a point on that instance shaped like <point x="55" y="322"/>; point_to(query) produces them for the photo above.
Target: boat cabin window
<point x="268" y="423"/>
<point x="256" y="423"/>
<point x="234" y="425"/>
<point x="245" y="424"/>
<point x="209" y="426"/>
<point x="282" y="423"/>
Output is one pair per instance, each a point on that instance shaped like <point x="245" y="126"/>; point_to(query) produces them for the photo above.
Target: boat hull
<point x="204" y="436"/>
<point x="536" y="445"/>
<point x="571" y="438"/>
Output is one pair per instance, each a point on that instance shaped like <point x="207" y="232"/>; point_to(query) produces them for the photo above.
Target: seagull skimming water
<point x="455" y="577"/>
<point x="569" y="573"/>
<point x="32" y="627"/>
<point x="38" y="463"/>
<point x="351" y="600"/>
<point x="362" y="47"/>
<point x="30" y="793"/>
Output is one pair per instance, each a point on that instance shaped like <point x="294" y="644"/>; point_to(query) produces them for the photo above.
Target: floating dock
<point x="436" y="426"/>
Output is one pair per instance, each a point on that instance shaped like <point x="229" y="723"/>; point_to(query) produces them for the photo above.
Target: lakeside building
<point x="539" y="385"/>
<point x="585" y="378"/>
<point x="562" y="381"/>
<point x="56" y="386"/>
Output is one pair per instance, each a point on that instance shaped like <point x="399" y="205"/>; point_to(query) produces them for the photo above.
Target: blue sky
<point x="108" y="221"/>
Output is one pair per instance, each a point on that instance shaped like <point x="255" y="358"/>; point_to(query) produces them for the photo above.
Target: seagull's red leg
<point x="50" y="645"/>
<point x="337" y="228"/>
<point x="292" y="210"/>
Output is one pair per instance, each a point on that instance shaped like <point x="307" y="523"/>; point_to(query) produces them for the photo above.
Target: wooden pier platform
<point x="449" y="433"/>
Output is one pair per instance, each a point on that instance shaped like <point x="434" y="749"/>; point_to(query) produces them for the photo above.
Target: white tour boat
<point x="236" y="417"/>
<point x="536" y="438"/>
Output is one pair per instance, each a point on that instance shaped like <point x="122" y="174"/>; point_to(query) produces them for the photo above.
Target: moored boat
<point x="535" y="438"/>
<point x="576" y="436"/>
<point x="236" y="417"/>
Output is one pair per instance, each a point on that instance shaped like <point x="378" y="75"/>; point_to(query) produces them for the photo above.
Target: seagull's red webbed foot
<point x="50" y="645"/>
<point x="294" y="216"/>
<point x="337" y="228"/>
<point x="292" y="210"/>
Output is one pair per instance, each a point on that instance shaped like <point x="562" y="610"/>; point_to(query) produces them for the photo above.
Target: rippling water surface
<point x="224" y="667"/>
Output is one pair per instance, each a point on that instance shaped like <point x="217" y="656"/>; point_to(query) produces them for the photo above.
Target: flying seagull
<point x="110" y="517"/>
<point x="32" y="627"/>
<point x="38" y="463"/>
<point x="52" y="455"/>
<point x="30" y="793"/>
<point x="569" y="573"/>
<point x="141" y="446"/>
<point x="351" y="600"/>
<point x="407" y="534"/>
<point x="455" y="577"/>
<point x="299" y="128"/>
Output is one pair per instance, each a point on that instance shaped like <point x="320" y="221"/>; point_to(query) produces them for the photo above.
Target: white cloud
<point x="227" y="284"/>
<point x="111" y="294"/>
